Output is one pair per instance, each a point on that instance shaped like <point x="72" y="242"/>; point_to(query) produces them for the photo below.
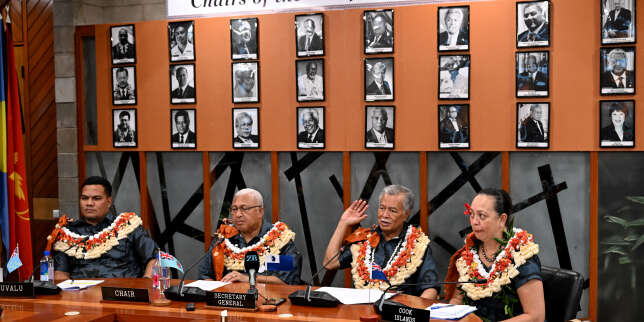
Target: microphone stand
<point x="43" y="287"/>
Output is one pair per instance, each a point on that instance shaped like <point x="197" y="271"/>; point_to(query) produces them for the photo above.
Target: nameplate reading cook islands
<point x="17" y="289"/>
<point x="125" y="294"/>
<point x="405" y="314"/>
<point x="231" y="300"/>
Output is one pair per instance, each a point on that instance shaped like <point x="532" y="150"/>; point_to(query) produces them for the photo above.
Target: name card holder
<point x="234" y="301"/>
<point x="16" y="289"/>
<point x="124" y="294"/>
<point x="404" y="314"/>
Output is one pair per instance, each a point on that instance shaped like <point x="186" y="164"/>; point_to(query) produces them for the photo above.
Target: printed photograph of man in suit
<point x="381" y="133"/>
<point x="123" y="50"/>
<point x="124" y="86"/>
<point x="532" y="74"/>
<point x="618" y="76"/>
<point x="124" y="123"/>
<point x="379" y="78"/>
<point x="618" y="25"/>
<point x="182" y="92"/>
<point x="243" y="125"/>
<point x="312" y="135"/>
<point x="534" y="29"/>
<point x="243" y="38"/>
<point x="379" y="31"/>
<point x="453" y="129"/>
<point x="245" y="82"/>
<point x="310" y="41"/>
<point x="455" y="34"/>
<point x="183" y="137"/>
<point x="531" y="129"/>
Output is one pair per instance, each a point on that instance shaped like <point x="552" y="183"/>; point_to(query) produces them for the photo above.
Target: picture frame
<point x="376" y="69"/>
<point x="532" y="74"/>
<point x="310" y="127"/>
<point x="533" y="24"/>
<point x="378" y="31"/>
<point x="380" y="130"/>
<point x="181" y="40"/>
<point x="454" y="126"/>
<point x="124" y="90"/>
<point x="617" y="124"/>
<point x="454" y="77"/>
<point x="123" y="44"/>
<point x="124" y="128"/>
<point x="183" y="128"/>
<point x="310" y="80"/>
<point x="245" y="127"/>
<point x="617" y="70"/>
<point x="453" y="27"/>
<point x="533" y="125"/>
<point x="245" y="81"/>
<point x="183" y="87"/>
<point x="309" y="35"/>
<point x="618" y="22"/>
<point x="244" y="35"/>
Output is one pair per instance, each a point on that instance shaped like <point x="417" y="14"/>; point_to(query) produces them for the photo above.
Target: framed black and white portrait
<point x="246" y="128"/>
<point x="532" y="74"/>
<point x="379" y="79"/>
<point x="182" y="84"/>
<point x="310" y="127"/>
<point x="453" y="28"/>
<point x="533" y="24"/>
<point x="617" y="124"/>
<point x="243" y="38"/>
<point x="245" y="82"/>
<point x="309" y="34"/>
<point x="454" y="126"/>
<point x="533" y="125"/>
<point x="378" y="31"/>
<point x="123" y="44"/>
<point x="310" y="80"/>
<point x="124" y="85"/>
<point x="454" y="76"/>
<point x="124" y="128"/>
<point x="617" y="66"/>
<point x="181" y="40"/>
<point x="618" y="21"/>
<point x="379" y="127"/>
<point x="183" y="128"/>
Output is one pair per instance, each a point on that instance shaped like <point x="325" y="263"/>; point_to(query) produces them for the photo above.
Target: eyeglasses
<point x="243" y="209"/>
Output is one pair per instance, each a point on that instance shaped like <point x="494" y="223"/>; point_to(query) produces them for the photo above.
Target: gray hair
<point x="241" y="116"/>
<point x="254" y="193"/>
<point x="395" y="189"/>
<point x="453" y="11"/>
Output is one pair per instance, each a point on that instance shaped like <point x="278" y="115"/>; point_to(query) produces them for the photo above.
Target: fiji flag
<point x="377" y="273"/>
<point x="168" y="260"/>
<point x="14" y="262"/>
<point x="279" y="262"/>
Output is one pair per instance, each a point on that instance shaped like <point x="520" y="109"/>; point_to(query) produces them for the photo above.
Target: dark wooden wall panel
<point x="16" y="20"/>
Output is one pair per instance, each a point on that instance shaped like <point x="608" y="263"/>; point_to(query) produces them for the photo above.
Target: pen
<point x="440" y="307"/>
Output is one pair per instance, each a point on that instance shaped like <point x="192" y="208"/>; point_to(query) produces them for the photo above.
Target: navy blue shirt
<point x="425" y="276"/>
<point x="127" y="259"/>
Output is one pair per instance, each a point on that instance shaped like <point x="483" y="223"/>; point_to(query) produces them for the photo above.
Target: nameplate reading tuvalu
<point x="17" y="289"/>
<point x="125" y="294"/>
<point x="231" y="300"/>
<point x="404" y="314"/>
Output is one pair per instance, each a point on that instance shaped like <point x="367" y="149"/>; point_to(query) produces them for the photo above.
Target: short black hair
<point x="94" y="180"/>
<point x="502" y="201"/>
<point x="183" y="113"/>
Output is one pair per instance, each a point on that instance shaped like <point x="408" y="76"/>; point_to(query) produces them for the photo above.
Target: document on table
<point x="70" y="285"/>
<point x="207" y="285"/>
<point x="444" y="311"/>
<point x="354" y="296"/>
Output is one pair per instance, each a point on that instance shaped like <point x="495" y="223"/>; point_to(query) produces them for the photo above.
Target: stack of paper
<point x="449" y="311"/>
<point x="207" y="285"/>
<point x="70" y="285"/>
<point x="354" y="296"/>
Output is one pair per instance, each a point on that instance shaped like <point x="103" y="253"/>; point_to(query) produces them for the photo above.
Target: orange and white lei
<point x="405" y="263"/>
<point x="519" y="248"/>
<point x="271" y="243"/>
<point x="94" y="246"/>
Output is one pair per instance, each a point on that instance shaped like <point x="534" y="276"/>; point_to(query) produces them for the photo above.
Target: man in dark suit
<point x="532" y="79"/>
<point x="123" y="90"/>
<point x="242" y="39"/>
<point x="184" y="90"/>
<point x="379" y="86"/>
<point x="453" y="35"/>
<point x="452" y="129"/>
<point x="381" y="36"/>
<point x="124" y="49"/>
<point x="312" y="132"/>
<point x="182" y="122"/>
<point x="244" y="126"/>
<point x="310" y="41"/>
<point x="618" y="21"/>
<point x="531" y="129"/>
<point x="379" y="132"/>
<point x="538" y="29"/>
<point x="617" y="76"/>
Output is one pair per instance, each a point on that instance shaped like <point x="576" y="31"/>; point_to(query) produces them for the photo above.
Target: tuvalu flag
<point x="4" y="200"/>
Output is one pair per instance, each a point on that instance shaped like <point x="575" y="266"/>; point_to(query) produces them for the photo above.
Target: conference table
<point x="87" y="305"/>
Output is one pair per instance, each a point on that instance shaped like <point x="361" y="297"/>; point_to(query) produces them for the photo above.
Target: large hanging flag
<point x="19" y="217"/>
<point x="4" y="200"/>
<point x="14" y="262"/>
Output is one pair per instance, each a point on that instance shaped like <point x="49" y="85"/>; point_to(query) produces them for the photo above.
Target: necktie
<point x="532" y="36"/>
<point x="180" y="138"/>
<point x="539" y="127"/>
<point x="308" y="43"/>
<point x="620" y="82"/>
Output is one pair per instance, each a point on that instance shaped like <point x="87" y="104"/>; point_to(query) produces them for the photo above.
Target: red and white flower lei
<point x="271" y="243"/>
<point x="94" y="246"/>
<point x="404" y="264"/>
<point x="519" y="248"/>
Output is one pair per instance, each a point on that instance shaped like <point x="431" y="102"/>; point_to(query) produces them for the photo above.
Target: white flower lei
<point x="235" y="264"/>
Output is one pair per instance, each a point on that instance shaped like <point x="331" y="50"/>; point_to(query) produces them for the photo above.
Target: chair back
<point x="562" y="292"/>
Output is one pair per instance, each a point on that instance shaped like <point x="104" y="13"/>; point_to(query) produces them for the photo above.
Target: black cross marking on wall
<point x="379" y="169"/>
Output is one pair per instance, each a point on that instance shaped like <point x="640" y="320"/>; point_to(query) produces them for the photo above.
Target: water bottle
<point x="47" y="268"/>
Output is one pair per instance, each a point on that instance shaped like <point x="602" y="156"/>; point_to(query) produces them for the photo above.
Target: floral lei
<point x="518" y="248"/>
<point x="270" y="243"/>
<point x="94" y="246"/>
<point x="402" y="265"/>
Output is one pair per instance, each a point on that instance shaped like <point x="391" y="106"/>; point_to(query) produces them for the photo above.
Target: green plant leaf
<point x="615" y="243"/>
<point x="624" y="260"/>
<point x="637" y="199"/>
<point x="636" y="223"/>
<point x="638" y="243"/>
<point x="615" y="250"/>
<point x="631" y="237"/>
<point x="616" y="220"/>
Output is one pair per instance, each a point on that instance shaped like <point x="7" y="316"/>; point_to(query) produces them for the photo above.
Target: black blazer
<point x="607" y="80"/>
<point x="190" y="137"/>
<point x="462" y="39"/>
<point x="609" y="134"/>
<point x="316" y="43"/>
<point x="188" y="93"/>
<point x="254" y="138"/>
<point x="389" y="136"/>
<point x="530" y="132"/>
<point x="304" y="137"/>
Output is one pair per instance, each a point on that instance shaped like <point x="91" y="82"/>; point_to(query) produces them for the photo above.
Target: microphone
<point x="251" y="265"/>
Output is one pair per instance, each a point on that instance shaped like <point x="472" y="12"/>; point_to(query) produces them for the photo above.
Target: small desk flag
<point x="14" y="262"/>
<point x="377" y="273"/>
<point x="168" y="260"/>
